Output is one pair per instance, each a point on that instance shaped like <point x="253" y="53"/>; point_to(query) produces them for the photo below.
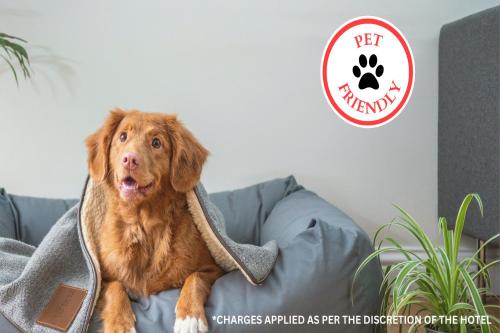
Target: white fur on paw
<point x="189" y="325"/>
<point x="133" y="330"/>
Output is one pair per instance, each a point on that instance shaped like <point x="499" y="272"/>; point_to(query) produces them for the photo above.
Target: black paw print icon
<point x="368" y="80"/>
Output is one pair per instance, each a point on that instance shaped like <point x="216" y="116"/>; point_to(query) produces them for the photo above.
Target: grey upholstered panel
<point x="469" y="119"/>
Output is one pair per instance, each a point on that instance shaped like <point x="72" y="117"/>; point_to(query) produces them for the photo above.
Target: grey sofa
<point x="320" y="248"/>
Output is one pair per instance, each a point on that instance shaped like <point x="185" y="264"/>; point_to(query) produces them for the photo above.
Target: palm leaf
<point x="13" y="50"/>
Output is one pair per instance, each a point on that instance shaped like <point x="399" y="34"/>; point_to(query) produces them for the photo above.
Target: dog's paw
<point x="190" y="325"/>
<point x="119" y="328"/>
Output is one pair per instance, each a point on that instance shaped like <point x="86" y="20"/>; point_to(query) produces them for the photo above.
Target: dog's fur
<point x="148" y="242"/>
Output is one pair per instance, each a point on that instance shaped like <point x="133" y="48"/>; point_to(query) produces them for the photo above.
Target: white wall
<point x="243" y="75"/>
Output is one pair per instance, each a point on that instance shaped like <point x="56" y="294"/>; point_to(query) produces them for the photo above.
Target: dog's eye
<point x="156" y="143"/>
<point x="123" y="136"/>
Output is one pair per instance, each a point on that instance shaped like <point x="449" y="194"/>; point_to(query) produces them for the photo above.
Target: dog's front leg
<point x="117" y="314"/>
<point x="190" y="308"/>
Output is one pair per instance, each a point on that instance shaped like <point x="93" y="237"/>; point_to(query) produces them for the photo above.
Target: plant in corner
<point x="12" y="51"/>
<point x="438" y="283"/>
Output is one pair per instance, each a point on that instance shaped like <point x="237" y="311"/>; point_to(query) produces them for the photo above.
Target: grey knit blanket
<point x="30" y="277"/>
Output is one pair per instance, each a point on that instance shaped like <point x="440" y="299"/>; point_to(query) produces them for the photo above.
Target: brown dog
<point x="147" y="162"/>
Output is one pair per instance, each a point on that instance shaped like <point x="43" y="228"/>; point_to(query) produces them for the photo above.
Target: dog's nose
<point x="130" y="160"/>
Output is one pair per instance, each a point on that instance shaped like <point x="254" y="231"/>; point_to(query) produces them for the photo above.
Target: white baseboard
<point x="390" y="258"/>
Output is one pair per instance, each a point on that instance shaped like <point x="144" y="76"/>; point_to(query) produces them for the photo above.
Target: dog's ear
<point x="188" y="156"/>
<point x="99" y="143"/>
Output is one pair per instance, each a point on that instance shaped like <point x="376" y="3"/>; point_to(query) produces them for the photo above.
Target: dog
<point x="146" y="163"/>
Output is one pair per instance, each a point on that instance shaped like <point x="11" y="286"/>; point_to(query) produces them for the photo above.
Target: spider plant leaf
<point x="404" y="300"/>
<point x="436" y="272"/>
<point x="414" y="327"/>
<point x="460" y="220"/>
<point x="365" y="262"/>
<point x="430" y="283"/>
<point x="493" y="306"/>
<point x="476" y="297"/>
<point x="446" y="262"/>
<point x="390" y="272"/>
<point x="489" y="240"/>
<point x="479" y="269"/>
<point x="374" y="255"/>
<point x="485" y="269"/>
<point x="495" y="319"/>
<point x="408" y="267"/>
<point x="416" y="230"/>
<point x="443" y="226"/>
<point x="459" y="307"/>
<point x="405" y="252"/>
<point x="434" y="294"/>
<point x="410" y="283"/>
<point x="379" y="230"/>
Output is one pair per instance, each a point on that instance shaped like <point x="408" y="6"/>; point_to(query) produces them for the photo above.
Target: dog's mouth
<point x="129" y="187"/>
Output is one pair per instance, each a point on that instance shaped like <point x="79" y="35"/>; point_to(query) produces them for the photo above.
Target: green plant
<point x="440" y="283"/>
<point x="14" y="51"/>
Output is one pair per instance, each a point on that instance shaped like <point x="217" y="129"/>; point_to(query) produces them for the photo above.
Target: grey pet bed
<point x="320" y="248"/>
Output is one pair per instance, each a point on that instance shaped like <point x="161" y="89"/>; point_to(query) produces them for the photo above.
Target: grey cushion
<point x="247" y="209"/>
<point x="320" y="248"/>
<point x="37" y="215"/>
<point x="28" y="219"/>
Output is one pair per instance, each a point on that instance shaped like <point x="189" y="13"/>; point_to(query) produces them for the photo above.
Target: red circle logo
<point x="367" y="72"/>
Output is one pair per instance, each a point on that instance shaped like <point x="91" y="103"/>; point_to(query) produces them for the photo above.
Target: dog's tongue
<point x="128" y="187"/>
<point x="129" y="182"/>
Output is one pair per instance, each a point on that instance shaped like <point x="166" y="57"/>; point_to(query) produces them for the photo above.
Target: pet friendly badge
<point x="367" y="72"/>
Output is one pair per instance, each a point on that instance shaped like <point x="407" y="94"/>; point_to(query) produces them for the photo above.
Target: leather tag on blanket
<point x="62" y="308"/>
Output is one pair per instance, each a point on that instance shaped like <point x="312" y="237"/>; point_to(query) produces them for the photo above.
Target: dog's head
<point x="139" y="154"/>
